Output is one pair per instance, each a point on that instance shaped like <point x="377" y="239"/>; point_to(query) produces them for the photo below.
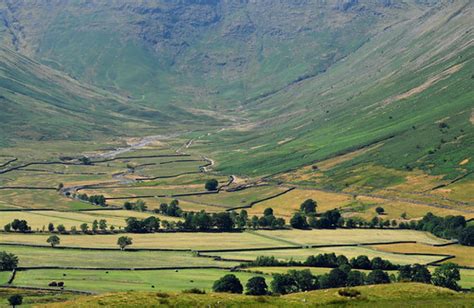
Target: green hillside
<point x="405" y="294"/>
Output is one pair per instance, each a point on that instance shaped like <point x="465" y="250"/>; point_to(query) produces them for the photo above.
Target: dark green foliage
<point x="355" y="278"/>
<point x="361" y="262"/>
<point x="308" y="206"/>
<point x="147" y="225"/>
<point x="15" y="300"/>
<point x="53" y="240"/>
<point x="466" y="237"/>
<point x="223" y="221"/>
<point x="379" y="210"/>
<point x="415" y="273"/>
<point x="124" y="241"/>
<point x="211" y="185"/>
<point x="97" y="200"/>
<point x="298" y="221"/>
<point x="283" y="284"/>
<point x="8" y="261"/>
<point x="256" y="286"/>
<point x="377" y="277"/>
<point x="229" y="283"/>
<point x="334" y="279"/>
<point x="20" y="225"/>
<point x="172" y="209"/>
<point x="447" y="276"/>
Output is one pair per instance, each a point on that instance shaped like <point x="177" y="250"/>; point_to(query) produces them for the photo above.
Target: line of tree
<point x="94" y="199"/>
<point x="327" y="260"/>
<point x="447" y="275"/>
<point x="449" y="227"/>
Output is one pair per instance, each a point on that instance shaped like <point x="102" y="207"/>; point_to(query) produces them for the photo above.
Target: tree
<point x="378" y="277"/>
<point x="8" y="261"/>
<point x="85" y="160"/>
<point x="379" y="210"/>
<point x="7" y="227"/>
<point x="124" y="241"/>
<point x="361" y="262"/>
<point x="53" y="240"/>
<point x="229" y="283"/>
<point x="140" y="206"/>
<point x="128" y="205"/>
<point x="447" y="275"/>
<point x="268" y="211"/>
<point x="308" y="206"/>
<point x="467" y="236"/>
<point x="283" y="284"/>
<point x="61" y="228"/>
<point x="304" y="280"/>
<point x="355" y="278"/>
<point x="84" y="227"/>
<point x="50" y="227"/>
<point x="20" y="225"/>
<point x="335" y="279"/>
<point x="420" y="273"/>
<point x="223" y="221"/>
<point x="15" y="300"/>
<point x="211" y="185"/>
<point x="256" y="286"/>
<point x="298" y="221"/>
<point x="103" y="225"/>
<point x="95" y="225"/>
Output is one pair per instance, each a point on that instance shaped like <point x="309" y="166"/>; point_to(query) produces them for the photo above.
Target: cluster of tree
<point x="328" y="260"/>
<point x="449" y="227"/>
<point x="17" y="225"/>
<point x="147" y="225"/>
<point x="231" y="284"/>
<point x="267" y="221"/>
<point x="328" y="220"/>
<point x="171" y="209"/>
<point x="139" y="206"/>
<point x="94" y="199"/>
<point x="447" y="275"/>
<point x="300" y="281"/>
<point x="8" y="261"/>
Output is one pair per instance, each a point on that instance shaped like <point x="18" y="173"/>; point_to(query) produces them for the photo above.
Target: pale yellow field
<point x="350" y="236"/>
<point x="464" y="254"/>
<point x="182" y="240"/>
<point x="394" y="209"/>
<point x="303" y="254"/>
<point x="286" y="205"/>
<point x="38" y="219"/>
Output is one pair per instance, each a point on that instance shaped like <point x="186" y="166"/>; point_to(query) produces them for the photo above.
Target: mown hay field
<point x="178" y="240"/>
<point x="115" y="281"/>
<point x="34" y="256"/>
<point x="286" y="205"/>
<point x="464" y="254"/>
<point x="39" y="199"/>
<point x="303" y="254"/>
<point x="39" y="219"/>
<point x="350" y="236"/>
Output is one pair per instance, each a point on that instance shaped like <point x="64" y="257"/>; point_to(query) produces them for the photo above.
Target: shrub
<point x="194" y="291"/>
<point x="347" y="292"/>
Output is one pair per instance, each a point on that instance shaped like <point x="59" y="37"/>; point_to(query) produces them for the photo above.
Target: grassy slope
<point x="357" y="102"/>
<point x="408" y="294"/>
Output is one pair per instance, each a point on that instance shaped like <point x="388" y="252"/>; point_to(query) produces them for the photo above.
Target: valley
<point x="183" y="153"/>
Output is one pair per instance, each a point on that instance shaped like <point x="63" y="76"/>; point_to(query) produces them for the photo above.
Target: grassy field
<point x="236" y="199"/>
<point x="30" y="257"/>
<point x="34" y="297"/>
<point x="116" y="281"/>
<point x="350" y="236"/>
<point x="39" y="199"/>
<point x="302" y="254"/>
<point x="180" y="240"/>
<point x="287" y="204"/>
<point x="39" y="219"/>
<point x="464" y="254"/>
<point x="399" y="295"/>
